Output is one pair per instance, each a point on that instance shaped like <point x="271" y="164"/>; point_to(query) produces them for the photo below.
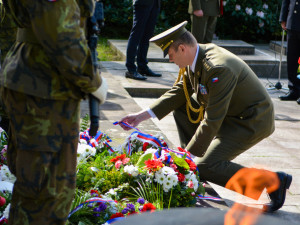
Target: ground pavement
<point x="279" y="152"/>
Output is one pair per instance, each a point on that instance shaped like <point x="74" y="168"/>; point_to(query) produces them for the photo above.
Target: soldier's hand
<point x="134" y="119"/>
<point x="198" y="13"/>
<point x="283" y="25"/>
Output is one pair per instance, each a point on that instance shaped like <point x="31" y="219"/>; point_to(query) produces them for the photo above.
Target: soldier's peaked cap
<point x="166" y="38"/>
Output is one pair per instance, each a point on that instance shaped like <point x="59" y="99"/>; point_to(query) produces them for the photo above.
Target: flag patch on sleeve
<point x="216" y="79"/>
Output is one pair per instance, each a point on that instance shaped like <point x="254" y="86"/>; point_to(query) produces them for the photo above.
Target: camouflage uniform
<point x="44" y="76"/>
<point x="8" y="30"/>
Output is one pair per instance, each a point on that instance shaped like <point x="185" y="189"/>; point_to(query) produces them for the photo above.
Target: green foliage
<point x="7" y="195"/>
<point x="98" y="172"/>
<point x="237" y="24"/>
<point x="85" y="123"/>
<point x="234" y="24"/>
<point x="150" y="192"/>
<point x="180" y="161"/>
<point x="143" y="158"/>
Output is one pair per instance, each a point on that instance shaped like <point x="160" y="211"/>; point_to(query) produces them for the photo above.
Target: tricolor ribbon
<point x="2" y="219"/>
<point x="202" y="197"/>
<point x="94" y="141"/>
<point x="91" y="200"/>
<point x="111" y="221"/>
<point x="143" y="137"/>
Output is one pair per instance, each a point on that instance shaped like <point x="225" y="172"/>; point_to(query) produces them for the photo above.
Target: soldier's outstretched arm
<point x="134" y="119"/>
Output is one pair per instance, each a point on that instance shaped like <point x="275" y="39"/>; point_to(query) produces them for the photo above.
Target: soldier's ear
<point x="181" y="48"/>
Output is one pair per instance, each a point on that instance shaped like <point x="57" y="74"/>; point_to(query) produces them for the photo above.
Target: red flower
<point x="153" y="165"/>
<point x="125" y="160"/>
<point x="2" y="201"/>
<point x="145" y="145"/>
<point x="181" y="177"/>
<point x="116" y="215"/>
<point x="119" y="157"/>
<point x="118" y="164"/>
<point x="95" y="192"/>
<point x="148" y="207"/>
<point x="191" y="164"/>
<point x="173" y="166"/>
<point x="5" y="221"/>
<point x="132" y="213"/>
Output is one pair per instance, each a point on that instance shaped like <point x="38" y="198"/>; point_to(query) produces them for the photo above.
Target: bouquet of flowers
<point x="6" y="180"/>
<point x="142" y="174"/>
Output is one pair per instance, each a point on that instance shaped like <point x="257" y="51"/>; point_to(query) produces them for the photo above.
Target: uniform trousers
<point x="144" y="21"/>
<point x="42" y="153"/>
<point x="203" y="28"/>
<point x="215" y="165"/>
<point x="293" y="54"/>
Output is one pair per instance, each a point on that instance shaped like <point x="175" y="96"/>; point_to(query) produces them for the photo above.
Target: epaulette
<point x="207" y="64"/>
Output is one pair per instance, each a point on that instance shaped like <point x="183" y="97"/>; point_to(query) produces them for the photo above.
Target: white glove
<point x="101" y="92"/>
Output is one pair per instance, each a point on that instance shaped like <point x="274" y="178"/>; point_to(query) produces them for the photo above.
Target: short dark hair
<point x="187" y="38"/>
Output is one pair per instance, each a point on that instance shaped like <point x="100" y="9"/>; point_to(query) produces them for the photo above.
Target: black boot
<point x="291" y="96"/>
<point x="134" y="75"/>
<point x="278" y="197"/>
<point x="148" y="72"/>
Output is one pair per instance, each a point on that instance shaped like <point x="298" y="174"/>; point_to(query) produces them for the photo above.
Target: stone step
<point x="276" y="46"/>
<point x="264" y="62"/>
<point x="237" y="47"/>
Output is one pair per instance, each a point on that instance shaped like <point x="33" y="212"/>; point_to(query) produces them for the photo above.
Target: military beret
<point x="166" y="38"/>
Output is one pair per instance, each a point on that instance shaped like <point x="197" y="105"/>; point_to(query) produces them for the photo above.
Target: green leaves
<point x="180" y="161"/>
<point x="142" y="159"/>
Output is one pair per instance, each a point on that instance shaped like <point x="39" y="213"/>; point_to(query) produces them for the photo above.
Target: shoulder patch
<point x="207" y="65"/>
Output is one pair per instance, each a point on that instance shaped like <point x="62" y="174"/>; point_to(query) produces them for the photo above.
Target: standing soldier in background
<point x="43" y="78"/>
<point x="8" y="30"/>
<point x="204" y="14"/>
<point x="290" y="22"/>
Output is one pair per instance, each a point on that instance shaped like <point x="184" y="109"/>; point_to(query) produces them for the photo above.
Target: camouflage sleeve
<point x="8" y="30"/>
<point x="56" y="25"/>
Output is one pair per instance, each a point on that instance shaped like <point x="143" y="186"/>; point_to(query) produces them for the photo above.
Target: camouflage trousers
<point x="42" y="153"/>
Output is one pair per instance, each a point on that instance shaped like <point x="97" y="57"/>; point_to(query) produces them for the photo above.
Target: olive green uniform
<point x="238" y="112"/>
<point x="203" y="28"/>
<point x="44" y="76"/>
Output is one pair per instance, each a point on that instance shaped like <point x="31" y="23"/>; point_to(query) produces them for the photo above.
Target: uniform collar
<point x="195" y="60"/>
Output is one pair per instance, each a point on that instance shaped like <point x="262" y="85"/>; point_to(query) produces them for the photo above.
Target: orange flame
<point x="249" y="182"/>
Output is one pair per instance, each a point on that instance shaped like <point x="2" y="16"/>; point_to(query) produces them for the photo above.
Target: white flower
<point x="224" y="3"/>
<point x="249" y="11"/>
<point x="132" y="170"/>
<point x="167" y="185"/>
<point x="82" y="141"/>
<point x="173" y="179"/>
<point x="167" y="170"/>
<point x="150" y="150"/>
<point x="6" y="175"/>
<point x="265" y="6"/>
<point x="237" y="7"/>
<point x="261" y="24"/>
<point x="260" y="14"/>
<point x="84" y="150"/>
<point x="111" y="192"/>
<point x="6" y="211"/>
<point x="160" y="177"/>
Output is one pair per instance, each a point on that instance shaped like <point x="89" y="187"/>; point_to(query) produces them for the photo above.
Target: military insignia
<point x="214" y="80"/>
<point x="202" y="89"/>
<point x="206" y="64"/>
